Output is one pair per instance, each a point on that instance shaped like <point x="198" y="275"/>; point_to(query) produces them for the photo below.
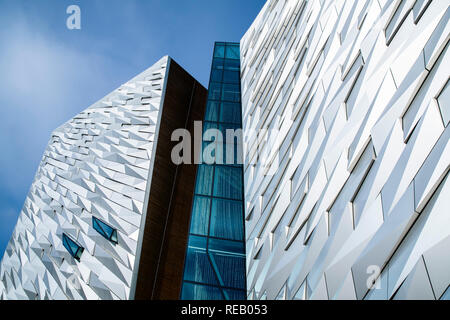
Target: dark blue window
<point x="234" y="294"/>
<point x="232" y="65"/>
<point x="74" y="248"/>
<point x="204" y="180"/>
<point x="231" y="76"/>
<point x="231" y="92"/>
<point x="206" y="127"/>
<point x="105" y="230"/>
<point x="232" y="52"/>
<point x="215" y="256"/>
<point x="219" y="50"/>
<point x="228" y="258"/>
<point x="216" y="75"/>
<point x="212" y="111"/>
<point x="228" y="182"/>
<point x="218" y="64"/>
<point x="230" y="112"/>
<point x="226" y="219"/>
<point x="200" y="215"/>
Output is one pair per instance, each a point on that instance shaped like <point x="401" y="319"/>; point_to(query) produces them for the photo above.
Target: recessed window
<point x="231" y="92"/>
<point x="105" y="230"/>
<point x="74" y="248"/>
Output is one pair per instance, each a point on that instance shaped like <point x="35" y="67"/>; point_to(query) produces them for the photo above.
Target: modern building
<point x="337" y="188"/>
<point x="354" y="190"/>
<point x="99" y="218"/>
<point x="215" y="258"/>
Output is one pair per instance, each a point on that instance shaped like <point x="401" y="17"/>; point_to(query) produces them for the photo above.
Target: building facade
<point x="96" y="221"/>
<point x="337" y="188"/>
<point x="215" y="258"/>
<point x="348" y="102"/>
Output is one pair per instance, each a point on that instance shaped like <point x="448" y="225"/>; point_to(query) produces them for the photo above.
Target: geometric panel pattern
<point x="348" y="103"/>
<point x="98" y="164"/>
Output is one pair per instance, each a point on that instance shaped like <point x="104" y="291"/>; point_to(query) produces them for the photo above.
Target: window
<point x="193" y="291"/>
<point x="232" y="65"/>
<point x="215" y="256"/>
<point x="216" y="75"/>
<point x="229" y="259"/>
<point x="218" y="64"/>
<point x="228" y="182"/>
<point x="219" y="50"/>
<point x="204" y="180"/>
<point x="226" y="219"/>
<point x="212" y="111"/>
<point x="231" y="92"/>
<point x="231" y="76"/>
<point x="232" y="52"/>
<point x="231" y="112"/>
<point x="198" y="267"/>
<point x="214" y="91"/>
<point x="105" y="230"/>
<point x="74" y="248"/>
<point x="200" y="215"/>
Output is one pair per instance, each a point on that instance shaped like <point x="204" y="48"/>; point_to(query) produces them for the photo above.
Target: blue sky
<point x="48" y="73"/>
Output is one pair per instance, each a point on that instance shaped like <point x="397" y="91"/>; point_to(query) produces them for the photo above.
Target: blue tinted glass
<point x="227" y="247"/>
<point x="204" y="180"/>
<point x="231" y="76"/>
<point x="192" y="291"/>
<point x="97" y="227"/>
<point x="114" y="237"/>
<point x="218" y="63"/>
<point x="230" y="112"/>
<point x="232" y="52"/>
<point x="217" y="217"/>
<point x="231" y="92"/>
<point x="197" y="265"/>
<point x="216" y="75"/>
<point x="235" y="294"/>
<point x="224" y="127"/>
<point x="231" y="269"/>
<point x="231" y="133"/>
<point x="228" y="182"/>
<point x="227" y="219"/>
<point x="211" y="152"/>
<point x="211" y="136"/>
<point x="219" y="51"/>
<point x="212" y="111"/>
<point x="232" y="154"/>
<point x="200" y="215"/>
<point x="214" y="92"/>
<point x="105" y="230"/>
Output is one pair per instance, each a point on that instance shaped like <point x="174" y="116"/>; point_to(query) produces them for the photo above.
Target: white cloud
<point x="42" y="85"/>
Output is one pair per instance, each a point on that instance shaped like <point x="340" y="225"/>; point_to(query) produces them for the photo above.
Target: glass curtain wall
<point x="215" y="258"/>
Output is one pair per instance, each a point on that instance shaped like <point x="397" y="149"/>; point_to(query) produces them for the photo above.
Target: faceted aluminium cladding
<point x="215" y="257"/>
<point x="90" y="189"/>
<point x="356" y="183"/>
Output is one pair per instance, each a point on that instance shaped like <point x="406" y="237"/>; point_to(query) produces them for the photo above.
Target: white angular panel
<point x="97" y="164"/>
<point x="366" y="85"/>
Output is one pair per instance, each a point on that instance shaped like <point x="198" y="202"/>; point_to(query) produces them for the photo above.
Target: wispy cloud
<point x="42" y="84"/>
